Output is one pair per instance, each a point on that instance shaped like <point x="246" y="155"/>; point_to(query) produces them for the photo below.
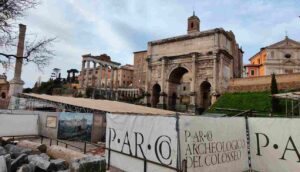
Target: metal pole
<point x="178" y="142"/>
<point x="286" y="113"/>
<point x="292" y="108"/>
<point x="84" y="149"/>
<point x="145" y="165"/>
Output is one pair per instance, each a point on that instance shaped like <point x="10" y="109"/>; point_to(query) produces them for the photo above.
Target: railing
<point x="145" y="161"/>
<point x="57" y="141"/>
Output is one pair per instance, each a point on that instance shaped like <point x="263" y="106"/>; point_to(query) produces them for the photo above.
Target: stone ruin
<point x="27" y="156"/>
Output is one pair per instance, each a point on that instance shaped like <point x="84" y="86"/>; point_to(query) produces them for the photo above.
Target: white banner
<point x="149" y="137"/>
<point x="213" y="144"/>
<point x="18" y="125"/>
<point x="275" y="144"/>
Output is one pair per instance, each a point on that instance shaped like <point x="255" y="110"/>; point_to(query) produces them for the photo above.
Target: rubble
<point x="41" y="163"/>
<point x="2" y="151"/>
<point x="88" y="164"/>
<point x="16" y="151"/>
<point x="3" y="167"/>
<point x="33" y="146"/>
<point x="27" y="157"/>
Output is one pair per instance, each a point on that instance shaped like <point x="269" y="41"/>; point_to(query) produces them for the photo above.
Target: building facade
<point x="107" y="77"/>
<point x="280" y="58"/>
<point x="125" y="76"/>
<point x="140" y="69"/>
<point x="98" y="72"/>
<point x="189" y="71"/>
<point x="4" y="87"/>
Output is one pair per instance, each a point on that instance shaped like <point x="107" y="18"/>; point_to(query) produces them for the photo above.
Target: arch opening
<point x="155" y="94"/>
<point x="179" y="89"/>
<point x="205" y="91"/>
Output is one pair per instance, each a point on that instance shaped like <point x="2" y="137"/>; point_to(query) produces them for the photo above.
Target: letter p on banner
<point x="275" y="144"/>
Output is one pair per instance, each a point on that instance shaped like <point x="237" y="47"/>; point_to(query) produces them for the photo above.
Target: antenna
<point x="194" y="7"/>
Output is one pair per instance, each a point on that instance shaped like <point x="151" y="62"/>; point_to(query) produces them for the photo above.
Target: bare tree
<point x="37" y="51"/>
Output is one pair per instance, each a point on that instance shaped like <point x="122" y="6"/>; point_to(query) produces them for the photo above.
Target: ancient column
<point x="16" y="84"/>
<point x="215" y="77"/>
<point x="82" y="75"/>
<point x="193" y="92"/>
<point x="87" y="74"/>
<point x="112" y="71"/>
<point x="100" y="76"/>
<point x="162" y="98"/>
<point x="105" y="76"/>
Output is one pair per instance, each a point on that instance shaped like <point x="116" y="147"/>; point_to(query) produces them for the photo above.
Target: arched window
<point x="192" y="25"/>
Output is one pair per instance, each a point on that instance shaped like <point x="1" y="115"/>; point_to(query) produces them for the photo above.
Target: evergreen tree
<point x="274" y="90"/>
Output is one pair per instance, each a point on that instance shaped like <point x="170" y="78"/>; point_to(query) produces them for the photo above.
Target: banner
<point x="275" y="144"/>
<point x="213" y="144"/>
<point x="148" y="137"/>
<point x="18" y="125"/>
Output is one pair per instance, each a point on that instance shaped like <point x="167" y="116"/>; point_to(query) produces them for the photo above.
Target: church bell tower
<point x="193" y="24"/>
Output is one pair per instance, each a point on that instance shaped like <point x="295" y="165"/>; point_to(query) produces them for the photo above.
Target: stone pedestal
<point x="15" y="87"/>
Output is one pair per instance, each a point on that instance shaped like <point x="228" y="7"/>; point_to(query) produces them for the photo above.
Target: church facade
<point x="282" y="57"/>
<point x="191" y="71"/>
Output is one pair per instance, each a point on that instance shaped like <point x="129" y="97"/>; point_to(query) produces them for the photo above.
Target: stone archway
<point x="205" y="98"/>
<point x="178" y="89"/>
<point x="155" y="95"/>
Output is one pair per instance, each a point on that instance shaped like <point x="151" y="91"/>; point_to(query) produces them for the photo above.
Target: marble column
<point x="112" y="71"/>
<point x="82" y="75"/>
<point x="87" y="74"/>
<point x="162" y="98"/>
<point x="105" y="76"/>
<point x="192" y="85"/>
<point x="16" y="84"/>
<point x="100" y="77"/>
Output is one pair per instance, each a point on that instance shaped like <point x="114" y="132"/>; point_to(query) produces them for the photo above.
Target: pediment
<point x="289" y="62"/>
<point x="286" y="43"/>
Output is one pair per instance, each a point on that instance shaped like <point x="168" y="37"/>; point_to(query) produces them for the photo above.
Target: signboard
<point x="51" y="121"/>
<point x="75" y="126"/>
<point x="275" y="144"/>
<point x="213" y="144"/>
<point x="153" y="138"/>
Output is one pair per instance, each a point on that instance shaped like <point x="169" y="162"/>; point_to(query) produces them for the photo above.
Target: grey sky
<point x="119" y="27"/>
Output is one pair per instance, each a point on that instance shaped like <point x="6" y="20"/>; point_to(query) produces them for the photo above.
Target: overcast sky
<point x="120" y="27"/>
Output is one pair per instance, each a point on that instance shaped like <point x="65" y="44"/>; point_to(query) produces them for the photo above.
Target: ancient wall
<point x="140" y="69"/>
<point x="201" y="44"/>
<point x="263" y="83"/>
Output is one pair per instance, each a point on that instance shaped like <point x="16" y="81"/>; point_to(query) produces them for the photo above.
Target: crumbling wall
<point x="263" y="83"/>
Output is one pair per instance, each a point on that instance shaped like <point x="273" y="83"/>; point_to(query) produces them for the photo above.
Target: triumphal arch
<point x="191" y="71"/>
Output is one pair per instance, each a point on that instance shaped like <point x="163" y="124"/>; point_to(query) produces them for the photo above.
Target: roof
<point x="287" y="40"/>
<point x="252" y="65"/>
<point x="229" y="35"/>
<point x="102" y="105"/>
<point x="143" y="51"/>
<point x="290" y="95"/>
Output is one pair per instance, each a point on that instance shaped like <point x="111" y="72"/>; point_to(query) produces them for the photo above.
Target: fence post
<point x="50" y="141"/>
<point x="56" y="142"/>
<point x="178" y="144"/>
<point x="42" y="138"/>
<point x="84" y="149"/>
<point x="145" y="165"/>
<point x="248" y="139"/>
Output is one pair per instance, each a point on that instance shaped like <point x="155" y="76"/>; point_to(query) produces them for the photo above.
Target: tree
<point x="274" y="90"/>
<point x="36" y="51"/>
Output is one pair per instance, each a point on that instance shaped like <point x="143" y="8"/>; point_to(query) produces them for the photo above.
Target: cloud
<point x="119" y="27"/>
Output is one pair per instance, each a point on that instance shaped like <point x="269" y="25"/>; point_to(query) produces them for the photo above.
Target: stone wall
<point x="263" y="83"/>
